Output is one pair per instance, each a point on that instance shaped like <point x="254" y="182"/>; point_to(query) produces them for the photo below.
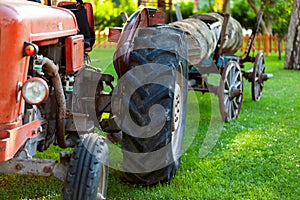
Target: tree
<point x="107" y="13"/>
<point x="242" y="12"/>
<point x="292" y="53"/>
<point x="186" y="9"/>
<point x="195" y="6"/>
<point x="226" y="6"/>
<point x="210" y="6"/>
<point x="266" y="23"/>
<point x="273" y="10"/>
<point x="161" y="4"/>
<point x="281" y="19"/>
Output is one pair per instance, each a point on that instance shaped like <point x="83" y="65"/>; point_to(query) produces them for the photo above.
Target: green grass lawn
<point x="256" y="156"/>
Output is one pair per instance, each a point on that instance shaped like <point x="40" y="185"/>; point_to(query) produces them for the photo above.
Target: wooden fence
<point x="102" y="40"/>
<point x="268" y="43"/>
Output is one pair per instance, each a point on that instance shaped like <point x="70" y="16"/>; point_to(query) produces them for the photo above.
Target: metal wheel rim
<point x="102" y="183"/>
<point x="177" y="113"/>
<point x="231" y="84"/>
<point x="257" y="80"/>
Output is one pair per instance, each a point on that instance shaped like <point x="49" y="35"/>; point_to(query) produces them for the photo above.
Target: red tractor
<point x="50" y="94"/>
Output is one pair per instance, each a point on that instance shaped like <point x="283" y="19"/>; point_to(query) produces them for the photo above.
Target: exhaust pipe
<point x="52" y="70"/>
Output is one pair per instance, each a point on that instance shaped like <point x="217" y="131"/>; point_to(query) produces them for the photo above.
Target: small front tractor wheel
<point x="88" y="174"/>
<point x="160" y="56"/>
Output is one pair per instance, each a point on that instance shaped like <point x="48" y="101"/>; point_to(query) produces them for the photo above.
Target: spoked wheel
<point x="150" y="154"/>
<point x="231" y="91"/>
<point x="88" y="174"/>
<point x="258" y="76"/>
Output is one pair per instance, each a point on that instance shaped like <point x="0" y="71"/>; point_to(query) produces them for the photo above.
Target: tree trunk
<point x="226" y="6"/>
<point x="256" y="10"/>
<point x="195" y="6"/>
<point x="280" y="39"/>
<point x="269" y="26"/>
<point x="292" y="52"/>
<point x="210" y="6"/>
<point x="161" y="5"/>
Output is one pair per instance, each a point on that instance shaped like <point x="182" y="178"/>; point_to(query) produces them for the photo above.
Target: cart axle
<point x="235" y="93"/>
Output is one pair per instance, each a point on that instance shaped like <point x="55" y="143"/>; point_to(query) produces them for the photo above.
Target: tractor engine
<point x="48" y="92"/>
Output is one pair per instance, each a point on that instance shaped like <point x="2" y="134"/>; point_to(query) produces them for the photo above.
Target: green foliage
<point x="281" y="16"/>
<point x="276" y="14"/>
<point x="242" y="12"/>
<point x="186" y="9"/>
<point x="207" y="8"/>
<point x="107" y="13"/>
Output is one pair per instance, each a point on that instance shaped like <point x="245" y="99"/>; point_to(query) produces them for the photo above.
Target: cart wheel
<point x="258" y="76"/>
<point x="88" y="174"/>
<point x="231" y="91"/>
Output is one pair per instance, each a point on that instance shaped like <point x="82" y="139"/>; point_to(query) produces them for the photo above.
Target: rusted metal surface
<point x="109" y="125"/>
<point x="52" y="70"/>
<point x="11" y="140"/>
<point x="246" y="57"/>
<point x="35" y="167"/>
<point x="121" y="56"/>
<point x="115" y="138"/>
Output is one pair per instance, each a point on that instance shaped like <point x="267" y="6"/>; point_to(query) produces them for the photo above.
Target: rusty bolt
<point x="47" y="169"/>
<point x="19" y="167"/>
<point x="237" y="93"/>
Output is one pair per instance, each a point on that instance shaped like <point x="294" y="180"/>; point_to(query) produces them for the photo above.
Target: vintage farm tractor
<point x="50" y="94"/>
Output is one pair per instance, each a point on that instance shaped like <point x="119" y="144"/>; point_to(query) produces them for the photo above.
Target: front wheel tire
<point x="88" y="174"/>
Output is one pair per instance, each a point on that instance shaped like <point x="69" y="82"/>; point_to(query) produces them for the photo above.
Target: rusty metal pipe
<point x="52" y="70"/>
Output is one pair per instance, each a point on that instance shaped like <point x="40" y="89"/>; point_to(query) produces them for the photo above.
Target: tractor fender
<point x="137" y="20"/>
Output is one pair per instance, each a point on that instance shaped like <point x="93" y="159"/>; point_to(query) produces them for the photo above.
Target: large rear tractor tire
<point x="88" y="174"/>
<point x="159" y="55"/>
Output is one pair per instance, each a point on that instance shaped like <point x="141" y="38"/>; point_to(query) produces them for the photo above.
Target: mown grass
<point x="255" y="157"/>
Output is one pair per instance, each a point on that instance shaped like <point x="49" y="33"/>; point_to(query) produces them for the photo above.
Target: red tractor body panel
<point x="39" y="22"/>
<point x="121" y="57"/>
<point x="74" y="53"/>
<point x="142" y="18"/>
<point x="22" y="21"/>
<point x="12" y="139"/>
<point x="31" y="22"/>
